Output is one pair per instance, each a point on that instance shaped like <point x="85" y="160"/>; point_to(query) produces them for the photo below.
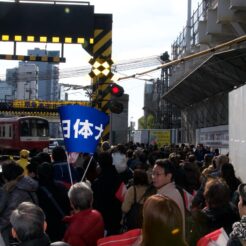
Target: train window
<point x="42" y="128"/>
<point x="10" y="131"/>
<point x="1" y="131"/>
<point x="25" y="128"/>
<point x="34" y="127"/>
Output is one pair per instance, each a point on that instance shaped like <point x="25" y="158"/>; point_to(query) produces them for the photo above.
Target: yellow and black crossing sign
<point x="101" y="74"/>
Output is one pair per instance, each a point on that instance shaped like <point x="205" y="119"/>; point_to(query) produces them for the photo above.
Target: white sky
<point x="141" y="28"/>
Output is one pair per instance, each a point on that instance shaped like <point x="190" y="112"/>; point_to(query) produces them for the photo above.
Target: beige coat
<point x="170" y="191"/>
<point x="129" y="197"/>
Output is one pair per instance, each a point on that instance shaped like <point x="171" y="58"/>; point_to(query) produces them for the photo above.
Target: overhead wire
<point x="82" y="71"/>
<point x="189" y="57"/>
<point x="129" y="65"/>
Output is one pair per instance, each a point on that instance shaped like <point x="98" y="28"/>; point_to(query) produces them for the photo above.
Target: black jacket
<point x="105" y="201"/>
<point x="44" y="241"/>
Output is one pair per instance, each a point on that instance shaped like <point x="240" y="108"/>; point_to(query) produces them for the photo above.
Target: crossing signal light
<point x="117" y="90"/>
<point x="116" y="106"/>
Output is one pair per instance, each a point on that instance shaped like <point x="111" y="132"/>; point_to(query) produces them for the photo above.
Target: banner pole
<point x="87" y="169"/>
<point x="70" y="173"/>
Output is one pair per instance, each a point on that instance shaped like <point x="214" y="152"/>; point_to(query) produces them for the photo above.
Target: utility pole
<point x="188" y="27"/>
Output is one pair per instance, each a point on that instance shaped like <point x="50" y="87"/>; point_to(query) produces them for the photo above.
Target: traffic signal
<point x="116" y="90"/>
<point x="115" y="105"/>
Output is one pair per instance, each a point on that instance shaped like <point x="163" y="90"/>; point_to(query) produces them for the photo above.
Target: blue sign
<point x="82" y="127"/>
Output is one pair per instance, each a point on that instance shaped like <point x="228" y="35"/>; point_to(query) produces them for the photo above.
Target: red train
<point x="29" y="132"/>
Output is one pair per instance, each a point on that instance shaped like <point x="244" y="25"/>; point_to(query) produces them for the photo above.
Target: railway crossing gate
<point x="63" y="22"/>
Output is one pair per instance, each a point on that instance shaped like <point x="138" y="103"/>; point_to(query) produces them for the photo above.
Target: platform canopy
<point x="221" y="72"/>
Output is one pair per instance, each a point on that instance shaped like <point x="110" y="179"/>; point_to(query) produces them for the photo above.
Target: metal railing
<point x="179" y="45"/>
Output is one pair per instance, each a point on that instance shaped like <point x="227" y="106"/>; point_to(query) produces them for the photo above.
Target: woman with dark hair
<point x="17" y="189"/>
<point x="228" y="174"/>
<point x="139" y="187"/>
<point x="219" y="211"/>
<point x="135" y="194"/>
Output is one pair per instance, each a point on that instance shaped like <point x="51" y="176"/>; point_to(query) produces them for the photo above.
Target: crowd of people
<point x="132" y="194"/>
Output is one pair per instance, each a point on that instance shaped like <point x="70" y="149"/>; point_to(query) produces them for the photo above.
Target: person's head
<point x="121" y="148"/>
<point x="208" y="159"/>
<point x="43" y="157"/>
<point x="24" y="153"/>
<point x="162" y="173"/>
<point x="45" y="172"/>
<point x="140" y="177"/>
<point x="105" y="146"/>
<point x="80" y="196"/>
<point x="59" y="154"/>
<point x="28" y="222"/>
<point x="11" y="170"/>
<point x="227" y="171"/>
<point x="216" y="193"/>
<point x="33" y="166"/>
<point x="221" y="160"/>
<point x="191" y="158"/>
<point x="242" y="199"/>
<point x="105" y="160"/>
<point x="162" y="222"/>
<point x="129" y="153"/>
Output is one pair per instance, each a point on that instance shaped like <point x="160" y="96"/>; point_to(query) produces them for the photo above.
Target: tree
<point x="146" y="123"/>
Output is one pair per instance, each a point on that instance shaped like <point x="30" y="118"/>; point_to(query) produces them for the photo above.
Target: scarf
<point x="239" y="229"/>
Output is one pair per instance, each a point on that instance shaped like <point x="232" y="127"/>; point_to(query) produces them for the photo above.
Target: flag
<point x="215" y="238"/>
<point x="120" y="193"/>
<point x="82" y="127"/>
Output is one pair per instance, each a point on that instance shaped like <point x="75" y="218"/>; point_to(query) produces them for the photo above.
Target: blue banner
<point x="82" y="127"/>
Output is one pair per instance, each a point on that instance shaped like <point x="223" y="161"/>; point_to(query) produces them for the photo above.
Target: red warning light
<point x="117" y="90"/>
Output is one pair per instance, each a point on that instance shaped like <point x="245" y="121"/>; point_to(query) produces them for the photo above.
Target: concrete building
<point x="27" y="84"/>
<point x="6" y="91"/>
<point x="48" y="87"/>
<point x="199" y="87"/>
<point x="21" y="82"/>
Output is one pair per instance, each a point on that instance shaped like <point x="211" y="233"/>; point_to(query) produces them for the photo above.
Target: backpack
<point x="133" y="218"/>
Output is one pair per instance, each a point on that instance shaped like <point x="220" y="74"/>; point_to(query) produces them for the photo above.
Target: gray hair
<point x="28" y="221"/>
<point x="80" y="196"/>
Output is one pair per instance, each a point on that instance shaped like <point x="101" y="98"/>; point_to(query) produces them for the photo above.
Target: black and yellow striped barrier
<point x="51" y="59"/>
<point x="45" y="39"/>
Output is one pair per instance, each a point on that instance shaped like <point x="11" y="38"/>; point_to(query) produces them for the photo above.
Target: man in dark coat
<point x="104" y="189"/>
<point x="53" y="200"/>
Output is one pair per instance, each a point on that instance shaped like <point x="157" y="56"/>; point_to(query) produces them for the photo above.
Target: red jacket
<point x="84" y="228"/>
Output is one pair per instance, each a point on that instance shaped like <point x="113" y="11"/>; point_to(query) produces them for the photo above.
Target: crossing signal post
<point x="115" y="105"/>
